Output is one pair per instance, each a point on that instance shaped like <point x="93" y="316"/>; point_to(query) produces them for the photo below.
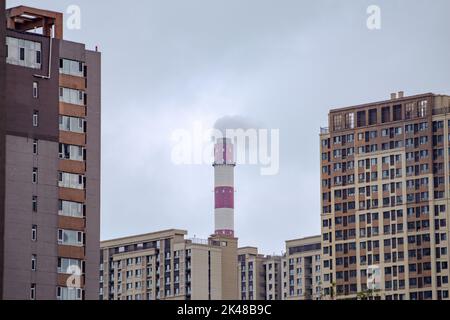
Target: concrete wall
<point x="2" y="133"/>
<point x="19" y="218"/>
<point x="199" y="273"/>
<point x="19" y="101"/>
<point x="206" y="273"/>
<point x="93" y="173"/>
<point x="229" y="258"/>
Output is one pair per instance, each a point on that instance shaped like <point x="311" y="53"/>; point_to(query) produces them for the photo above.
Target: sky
<point x="168" y="64"/>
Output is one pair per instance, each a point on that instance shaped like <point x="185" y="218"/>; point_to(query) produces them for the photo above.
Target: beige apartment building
<point x="251" y="272"/>
<point x="385" y="199"/>
<point x="301" y="269"/>
<point x="272" y="269"/>
<point x="166" y="266"/>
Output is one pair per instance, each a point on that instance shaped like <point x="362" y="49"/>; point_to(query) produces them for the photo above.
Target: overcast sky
<point x="281" y="64"/>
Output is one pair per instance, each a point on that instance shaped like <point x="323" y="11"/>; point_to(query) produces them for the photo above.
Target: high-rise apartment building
<point x="301" y="269"/>
<point x="49" y="159"/>
<point x="385" y="175"/>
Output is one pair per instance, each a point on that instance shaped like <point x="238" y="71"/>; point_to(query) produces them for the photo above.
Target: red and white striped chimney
<point x="224" y="187"/>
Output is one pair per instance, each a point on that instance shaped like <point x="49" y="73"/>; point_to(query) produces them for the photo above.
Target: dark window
<point x="35" y="147"/>
<point x="385" y="114"/>
<point x="361" y="118"/>
<point x="397" y="113"/>
<point x="35" y="204"/>
<point x="38" y="57"/>
<point x="22" y="54"/>
<point x="372" y="116"/>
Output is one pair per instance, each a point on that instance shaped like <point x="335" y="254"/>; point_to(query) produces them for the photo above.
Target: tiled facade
<point x="384" y="191"/>
<point x="49" y="168"/>
<point x="301" y="269"/>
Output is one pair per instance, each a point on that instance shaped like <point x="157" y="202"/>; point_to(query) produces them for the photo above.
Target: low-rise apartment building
<point x="301" y="269"/>
<point x="165" y="266"/>
<point x="251" y="272"/>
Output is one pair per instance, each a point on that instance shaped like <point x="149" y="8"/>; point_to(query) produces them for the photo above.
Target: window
<point x="35" y="118"/>
<point x="33" y="291"/>
<point x="71" y="96"/>
<point x="409" y="110"/>
<point x="23" y="53"/>
<point x="71" y="67"/>
<point x="35" y="147"/>
<point x="372" y="117"/>
<point x="70" y="266"/>
<point x="34" y="177"/>
<point x="34" y="203"/>
<point x="71" y="209"/>
<point x="33" y="262"/>
<point x="385" y="114"/>
<point x="71" y="238"/>
<point x="72" y="124"/>
<point x="34" y="233"/>
<point x="70" y="152"/>
<point x="35" y="90"/>
<point x="350" y="121"/>
<point x="397" y="113"/>
<point x="70" y="180"/>
<point x="63" y="293"/>
<point x="422" y="109"/>
<point x="337" y="122"/>
<point x="361" y="118"/>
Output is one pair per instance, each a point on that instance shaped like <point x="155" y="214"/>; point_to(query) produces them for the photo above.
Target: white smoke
<point x="234" y="123"/>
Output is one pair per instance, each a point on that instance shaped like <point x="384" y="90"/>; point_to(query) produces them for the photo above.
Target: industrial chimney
<point x="224" y="187"/>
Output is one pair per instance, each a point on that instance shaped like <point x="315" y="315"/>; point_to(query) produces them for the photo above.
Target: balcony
<point x="441" y="111"/>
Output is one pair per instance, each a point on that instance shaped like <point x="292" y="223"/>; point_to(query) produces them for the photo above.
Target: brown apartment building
<point x="49" y="159"/>
<point x="385" y="174"/>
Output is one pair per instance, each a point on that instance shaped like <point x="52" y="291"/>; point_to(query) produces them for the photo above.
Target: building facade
<point x="272" y="268"/>
<point x="251" y="271"/>
<point x="164" y="266"/>
<point x="49" y="160"/>
<point x="301" y="269"/>
<point x="385" y="192"/>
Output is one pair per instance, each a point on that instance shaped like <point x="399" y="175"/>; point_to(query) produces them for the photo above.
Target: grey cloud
<point x="283" y="64"/>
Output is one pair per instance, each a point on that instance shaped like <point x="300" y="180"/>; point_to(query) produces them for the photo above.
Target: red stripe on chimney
<point x="224" y="198"/>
